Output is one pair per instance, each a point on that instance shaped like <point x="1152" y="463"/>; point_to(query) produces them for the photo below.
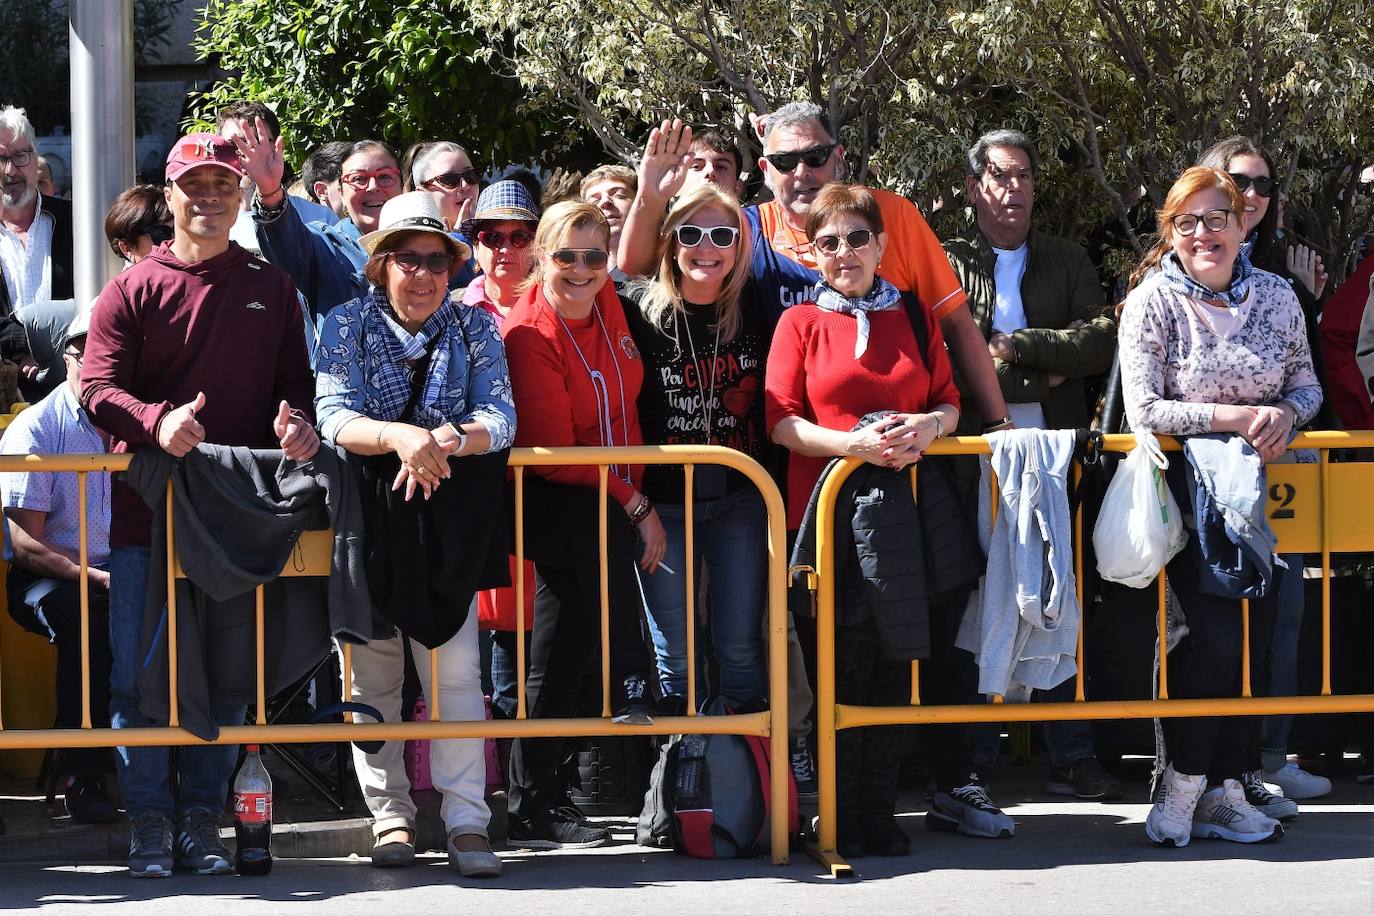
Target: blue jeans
<point x="1067" y="741"/>
<point x="1283" y="671"/>
<point x="731" y="536"/>
<point x="145" y="772"/>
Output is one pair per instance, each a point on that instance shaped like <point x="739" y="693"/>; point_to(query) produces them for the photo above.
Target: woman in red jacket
<point x="576" y="374"/>
<point x="850" y="352"/>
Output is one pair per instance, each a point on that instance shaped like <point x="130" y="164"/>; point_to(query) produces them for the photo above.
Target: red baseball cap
<point x="202" y="149"/>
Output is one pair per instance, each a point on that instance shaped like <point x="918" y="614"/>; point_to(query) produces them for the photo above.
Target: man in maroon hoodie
<point x="199" y="342"/>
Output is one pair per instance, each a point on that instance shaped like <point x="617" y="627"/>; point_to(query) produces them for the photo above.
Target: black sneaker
<point x="556" y="831"/>
<point x="969" y="811"/>
<point x="804" y="772"/>
<point x="198" y="845"/>
<point x="150" y="846"/>
<point x="635" y="707"/>
<point x="1084" y="779"/>
<point x="87" y="801"/>
<point x="1364" y="773"/>
<point x="1263" y="800"/>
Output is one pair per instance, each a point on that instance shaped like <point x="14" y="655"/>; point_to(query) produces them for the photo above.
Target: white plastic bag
<point x="1139" y="528"/>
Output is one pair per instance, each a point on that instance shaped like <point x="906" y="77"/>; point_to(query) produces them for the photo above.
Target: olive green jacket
<point x="1060" y="286"/>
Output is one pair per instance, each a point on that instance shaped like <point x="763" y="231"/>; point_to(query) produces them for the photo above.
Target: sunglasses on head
<point x="493" y="239"/>
<point x="689" y="236"/>
<point x="410" y="261"/>
<point x="385" y="178"/>
<point x="815" y="157"/>
<point x="450" y="181"/>
<point x="159" y="233"/>
<point x="594" y="258"/>
<point x="1264" y="184"/>
<point x="855" y="240"/>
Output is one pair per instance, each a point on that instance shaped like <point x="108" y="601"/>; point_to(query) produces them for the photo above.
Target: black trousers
<point x="867" y="759"/>
<point x="562" y="538"/>
<point x="57" y="617"/>
<point x="1206" y="664"/>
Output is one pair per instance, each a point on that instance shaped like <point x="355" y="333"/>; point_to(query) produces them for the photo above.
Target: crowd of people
<point x="419" y="321"/>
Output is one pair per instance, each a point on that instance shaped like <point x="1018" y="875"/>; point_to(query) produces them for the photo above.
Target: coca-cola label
<point x="253" y="807"/>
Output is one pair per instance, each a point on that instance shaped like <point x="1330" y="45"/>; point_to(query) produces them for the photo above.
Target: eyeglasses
<point x="689" y="236"/>
<point x="594" y="258"/>
<point x="385" y="178"/>
<point x="20" y="159"/>
<point x="494" y="239"/>
<point x="450" y="181"/>
<point x="159" y="233"/>
<point x="854" y="241"/>
<point x="1214" y="220"/>
<point x="1264" y="184"/>
<point x="815" y="157"/>
<point x="409" y="261"/>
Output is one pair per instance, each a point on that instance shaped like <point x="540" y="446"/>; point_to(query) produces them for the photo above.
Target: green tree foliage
<point x="403" y="71"/>
<point x="1120" y="95"/>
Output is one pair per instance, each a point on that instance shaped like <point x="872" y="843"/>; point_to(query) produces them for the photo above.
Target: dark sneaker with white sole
<point x="1266" y="801"/>
<point x="198" y="846"/>
<point x="635" y="707"/>
<point x="1084" y="779"/>
<point x="804" y="772"/>
<point x="150" y="846"/>
<point x="969" y="811"/>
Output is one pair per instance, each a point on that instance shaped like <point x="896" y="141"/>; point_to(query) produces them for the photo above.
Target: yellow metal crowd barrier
<point x="1321" y="508"/>
<point x="313" y="559"/>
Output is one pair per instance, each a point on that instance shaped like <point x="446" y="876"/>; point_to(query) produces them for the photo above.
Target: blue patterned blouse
<point x="363" y="369"/>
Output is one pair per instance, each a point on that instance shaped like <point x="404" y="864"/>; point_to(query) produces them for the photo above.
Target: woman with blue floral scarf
<point x="1209" y="344"/>
<point x="405" y="371"/>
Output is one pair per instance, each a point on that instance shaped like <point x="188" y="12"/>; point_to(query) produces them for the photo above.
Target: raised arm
<point x="662" y="171"/>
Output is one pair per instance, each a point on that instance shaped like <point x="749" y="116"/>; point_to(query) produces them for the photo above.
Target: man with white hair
<point x="35" y="239"/>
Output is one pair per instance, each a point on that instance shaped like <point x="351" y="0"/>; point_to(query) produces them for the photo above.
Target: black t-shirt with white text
<point x="720" y="383"/>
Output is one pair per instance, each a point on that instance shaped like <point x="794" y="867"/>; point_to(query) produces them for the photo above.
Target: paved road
<point x="1066" y="858"/>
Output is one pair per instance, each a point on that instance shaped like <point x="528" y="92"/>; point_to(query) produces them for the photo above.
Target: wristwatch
<point x="995" y="425"/>
<point x="462" y="438"/>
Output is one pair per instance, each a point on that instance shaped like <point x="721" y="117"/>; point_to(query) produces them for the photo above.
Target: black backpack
<point x="709" y="795"/>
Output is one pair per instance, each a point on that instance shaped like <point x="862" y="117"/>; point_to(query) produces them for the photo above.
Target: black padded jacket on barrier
<point x="426" y="558"/>
<point x="237" y="515"/>
<point x="894" y="558"/>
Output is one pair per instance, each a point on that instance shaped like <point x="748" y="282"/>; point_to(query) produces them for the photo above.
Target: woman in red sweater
<point x="576" y="374"/>
<point x="852" y="352"/>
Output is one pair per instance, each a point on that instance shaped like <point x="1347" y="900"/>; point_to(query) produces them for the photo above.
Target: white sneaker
<point x="1170" y="820"/>
<point x="1297" y="783"/>
<point x="1224" y="814"/>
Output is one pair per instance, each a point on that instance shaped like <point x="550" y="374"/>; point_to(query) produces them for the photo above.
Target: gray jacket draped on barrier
<point x="237" y="515"/>
<point x="1023" y="627"/>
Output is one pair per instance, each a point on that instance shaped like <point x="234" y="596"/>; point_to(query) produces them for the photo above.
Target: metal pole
<point x="102" y="60"/>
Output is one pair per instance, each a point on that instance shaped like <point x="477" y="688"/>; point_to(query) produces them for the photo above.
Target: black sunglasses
<point x="594" y="258"/>
<point x="815" y="157"/>
<point x="830" y="244"/>
<point x="450" y="181"/>
<point x="1264" y="185"/>
<point x="159" y="233"/>
<point x="689" y="236"/>
<point x="410" y="261"/>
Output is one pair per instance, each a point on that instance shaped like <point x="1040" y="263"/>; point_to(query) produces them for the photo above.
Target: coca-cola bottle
<point x="253" y="816"/>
